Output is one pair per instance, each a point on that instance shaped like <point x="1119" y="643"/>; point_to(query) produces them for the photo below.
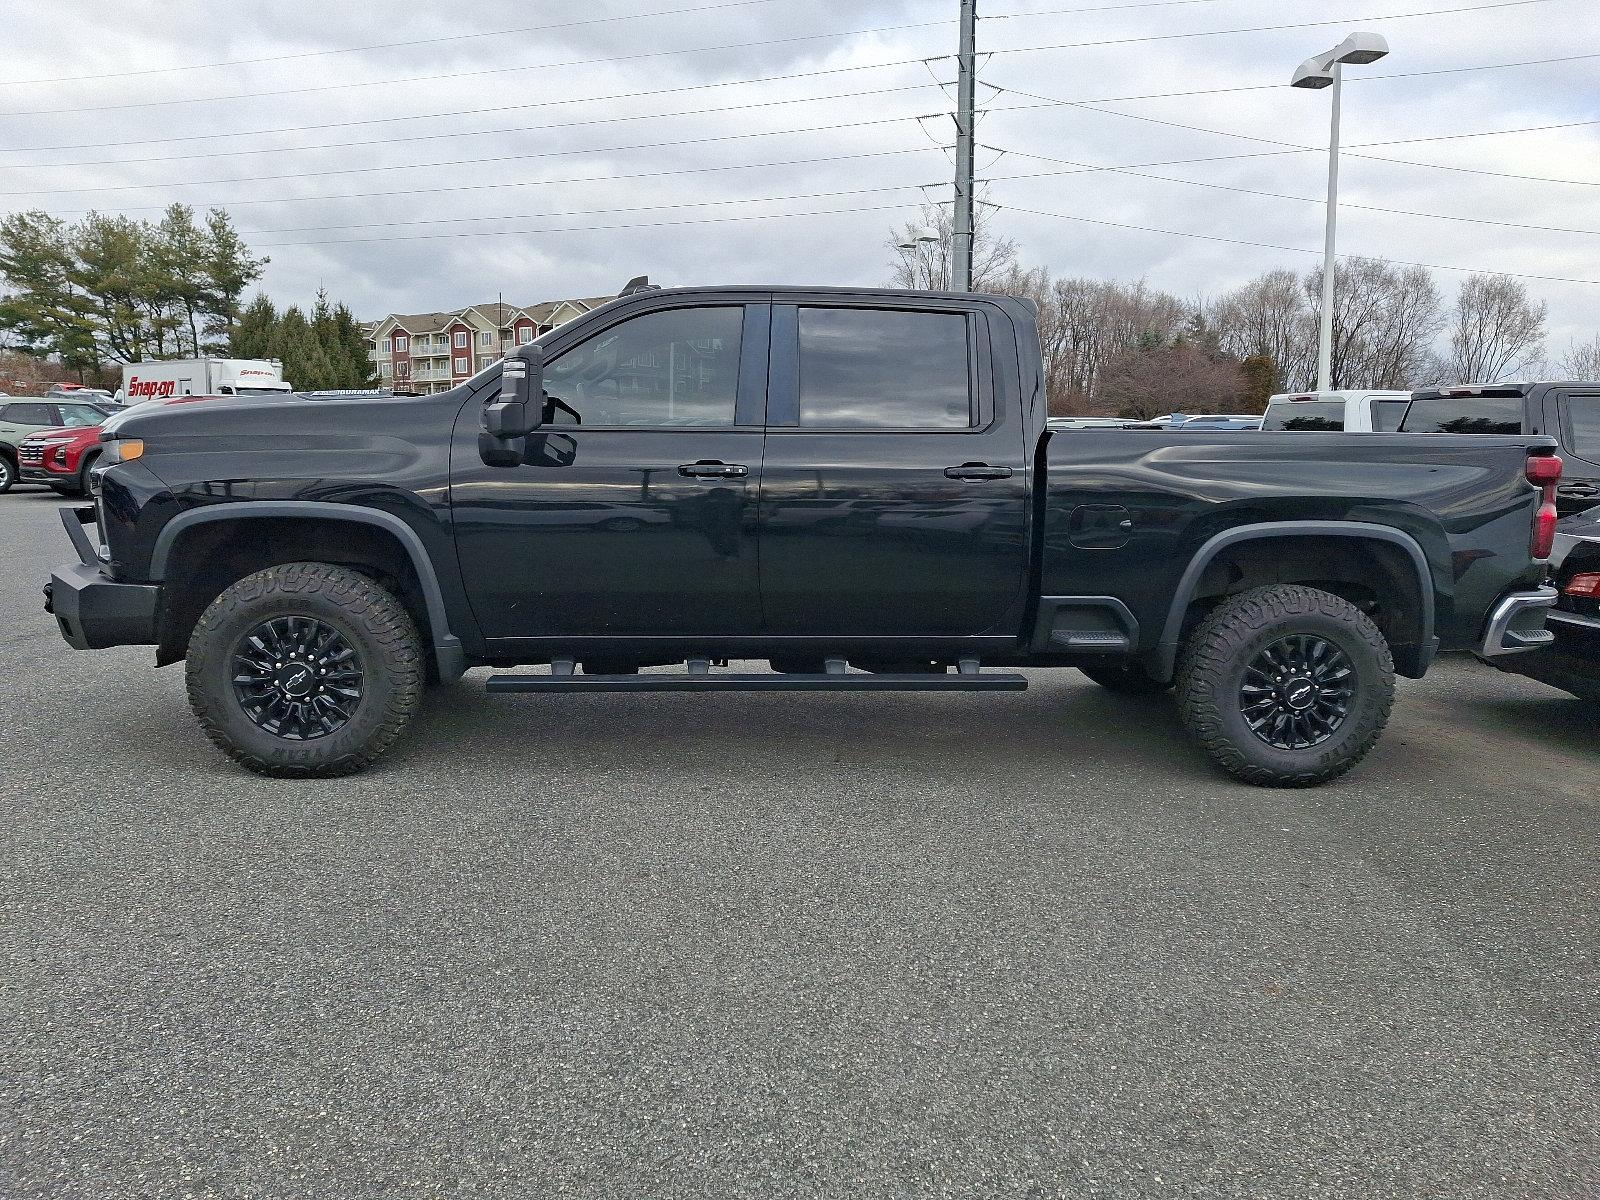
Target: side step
<point x="699" y="678"/>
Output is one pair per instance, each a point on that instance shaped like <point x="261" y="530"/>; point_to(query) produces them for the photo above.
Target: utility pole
<point x="966" y="87"/>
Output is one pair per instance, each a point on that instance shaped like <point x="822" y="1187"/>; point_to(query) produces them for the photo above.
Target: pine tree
<point x="255" y="333"/>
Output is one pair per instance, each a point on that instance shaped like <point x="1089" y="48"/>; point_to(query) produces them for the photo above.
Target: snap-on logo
<point x="151" y="387"/>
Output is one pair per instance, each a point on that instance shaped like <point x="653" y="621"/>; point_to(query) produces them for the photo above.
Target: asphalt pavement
<point x="1024" y="945"/>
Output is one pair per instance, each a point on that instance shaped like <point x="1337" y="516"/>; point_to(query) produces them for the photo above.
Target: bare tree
<point x="1496" y="330"/>
<point x="1183" y="378"/>
<point x="929" y="266"/>
<point x="1384" y="322"/>
<point x="1581" y="361"/>
<point x="1270" y="321"/>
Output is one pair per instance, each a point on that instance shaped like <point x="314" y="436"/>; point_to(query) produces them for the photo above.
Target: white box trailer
<point x="202" y="377"/>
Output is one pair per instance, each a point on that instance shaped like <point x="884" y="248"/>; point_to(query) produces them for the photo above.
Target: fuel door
<point x="1099" y="526"/>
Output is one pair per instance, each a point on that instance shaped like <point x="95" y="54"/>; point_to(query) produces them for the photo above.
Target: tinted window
<point x="30" y="414"/>
<point x="877" y="369"/>
<point x="679" y="367"/>
<point x="1583" y="425"/>
<point x="1306" y="416"/>
<point x="1387" y="414"/>
<point x="1465" y="414"/>
<point x="77" y="415"/>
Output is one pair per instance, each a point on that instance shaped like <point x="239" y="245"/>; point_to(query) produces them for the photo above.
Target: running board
<point x="700" y="678"/>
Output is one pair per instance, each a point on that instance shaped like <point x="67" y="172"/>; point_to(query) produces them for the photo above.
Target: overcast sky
<point x="341" y="159"/>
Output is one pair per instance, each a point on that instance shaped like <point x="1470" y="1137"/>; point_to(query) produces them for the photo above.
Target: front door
<point x="633" y="511"/>
<point x="894" y="495"/>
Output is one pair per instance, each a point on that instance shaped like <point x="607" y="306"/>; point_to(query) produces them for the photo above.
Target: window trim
<point x="402" y="343"/>
<point x="784" y="386"/>
<point x="388" y="345"/>
<point x="1569" y="438"/>
<point x="460" y="341"/>
<point x="749" y="404"/>
<point x="463" y="366"/>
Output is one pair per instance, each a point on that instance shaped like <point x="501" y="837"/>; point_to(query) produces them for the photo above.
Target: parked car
<point x="1359" y="411"/>
<point x="851" y="479"/>
<point x="1572" y="661"/>
<point x="21" y="417"/>
<point x="1568" y="412"/>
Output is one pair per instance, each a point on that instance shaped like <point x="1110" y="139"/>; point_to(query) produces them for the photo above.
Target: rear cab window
<point x="1305" y="416"/>
<point x="1387" y="415"/>
<point x="1464" y="414"/>
<point x="884" y="369"/>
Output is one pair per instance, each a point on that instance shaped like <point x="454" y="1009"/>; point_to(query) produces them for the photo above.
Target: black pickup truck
<point x="1567" y="411"/>
<point x="858" y="487"/>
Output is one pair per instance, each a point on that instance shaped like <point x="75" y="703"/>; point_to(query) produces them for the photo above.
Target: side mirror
<point x="519" y="408"/>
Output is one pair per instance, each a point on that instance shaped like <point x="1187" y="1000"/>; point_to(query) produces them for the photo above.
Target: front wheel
<point x="1286" y="686"/>
<point x="8" y="473"/>
<point x="305" y="669"/>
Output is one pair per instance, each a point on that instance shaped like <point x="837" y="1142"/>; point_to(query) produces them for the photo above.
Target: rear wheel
<point x="304" y="669"/>
<point x="1286" y="686"/>
<point x="8" y="473"/>
<point x="1129" y="679"/>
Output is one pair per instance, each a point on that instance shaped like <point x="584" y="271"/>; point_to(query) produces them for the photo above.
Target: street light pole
<point x="1325" y="337"/>
<point x="1327" y="70"/>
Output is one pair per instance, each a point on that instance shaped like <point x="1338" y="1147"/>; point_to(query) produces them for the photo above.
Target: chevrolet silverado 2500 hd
<point x="858" y="486"/>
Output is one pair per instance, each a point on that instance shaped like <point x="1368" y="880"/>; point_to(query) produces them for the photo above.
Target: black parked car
<point x="1568" y="412"/>
<point x="1572" y="662"/>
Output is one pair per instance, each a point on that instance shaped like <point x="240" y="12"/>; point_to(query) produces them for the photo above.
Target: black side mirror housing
<point x="519" y="408"/>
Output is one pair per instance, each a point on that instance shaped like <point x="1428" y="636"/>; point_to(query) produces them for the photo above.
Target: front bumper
<point x="1516" y="623"/>
<point x="92" y="610"/>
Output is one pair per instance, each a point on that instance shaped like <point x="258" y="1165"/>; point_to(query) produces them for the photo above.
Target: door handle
<point x="708" y="468"/>
<point x="977" y="470"/>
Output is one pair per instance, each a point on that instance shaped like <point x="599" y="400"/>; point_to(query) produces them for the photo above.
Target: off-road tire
<point x="8" y="472"/>
<point x="1216" y="655"/>
<point x="372" y="621"/>
<point x="1126" y="679"/>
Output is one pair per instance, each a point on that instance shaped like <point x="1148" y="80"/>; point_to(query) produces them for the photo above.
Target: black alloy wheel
<point x="1296" y="692"/>
<point x="297" y="677"/>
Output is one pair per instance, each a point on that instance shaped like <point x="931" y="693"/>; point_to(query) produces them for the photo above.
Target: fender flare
<point x="447" y="651"/>
<point x="1164" y="657"/>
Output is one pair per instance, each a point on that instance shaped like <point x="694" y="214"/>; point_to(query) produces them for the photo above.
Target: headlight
<point x="122" y="450"/>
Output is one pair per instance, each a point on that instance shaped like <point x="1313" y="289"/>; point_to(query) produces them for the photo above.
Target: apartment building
<point x="430" y="352"/>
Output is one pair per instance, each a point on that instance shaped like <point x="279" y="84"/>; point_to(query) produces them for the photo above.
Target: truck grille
<point x="30" y="456"/>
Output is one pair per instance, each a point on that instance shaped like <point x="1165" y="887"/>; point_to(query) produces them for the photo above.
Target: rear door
<point x="894" y="486"/>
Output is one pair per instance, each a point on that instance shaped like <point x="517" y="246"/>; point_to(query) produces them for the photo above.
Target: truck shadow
<point x="1062" y="720"/>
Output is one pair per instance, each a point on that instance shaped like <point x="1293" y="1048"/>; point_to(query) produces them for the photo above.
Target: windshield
<point x="1305" y="416"/>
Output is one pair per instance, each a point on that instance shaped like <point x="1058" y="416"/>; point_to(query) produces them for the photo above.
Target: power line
<point x="437" y="76"/>
<point x="462" y="162"/>
<point x="1299" y="148"/>
<point x="471" y="112"/>
<point x="1274" y="246"/>
<point x="523" y="183"/>
<point x="697" y="87"/>
<point x="1165" y="37"/>
<point x="542" y="28"/>
<point x="1091" y="168"/>
<point x="826" y="212"/>
<point x="433" y="41"/>
<point x="590" y="212"/>
<point x="454" y="134"/>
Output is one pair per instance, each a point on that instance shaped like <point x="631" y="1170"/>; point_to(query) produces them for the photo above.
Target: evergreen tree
<point x="255" y="333"/>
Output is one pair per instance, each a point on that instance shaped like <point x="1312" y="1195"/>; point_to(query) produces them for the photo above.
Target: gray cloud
<point x="400" y="261"/>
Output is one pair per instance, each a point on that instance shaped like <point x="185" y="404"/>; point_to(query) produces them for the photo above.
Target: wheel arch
<point x="1392" y="549"/>
<point x="446" y="650"/>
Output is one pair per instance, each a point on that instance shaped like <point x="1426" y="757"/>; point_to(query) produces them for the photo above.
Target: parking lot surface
<point x="787" y="945"/>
